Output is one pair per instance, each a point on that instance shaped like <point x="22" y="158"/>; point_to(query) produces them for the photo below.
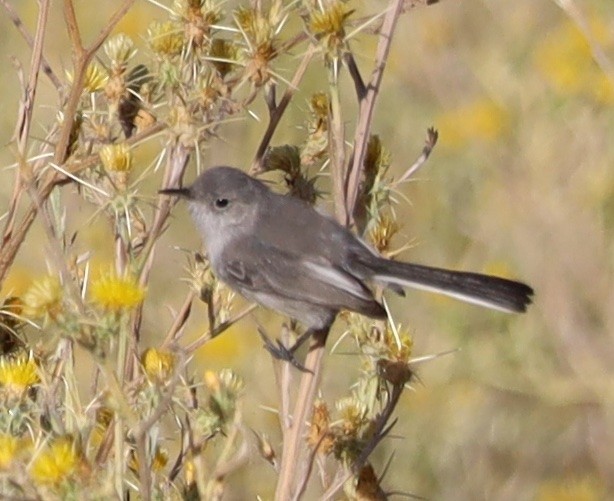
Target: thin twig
<point x="14" y="237"/>
<point x="289" y="480"/>
<point x="180" y="319"/>
<point x="359" y="84"/>
<point x="12" y="13"/>
<point x="81" y="59"/>
<point x="219" y="329"/>
<point x="367" y="107"/>
<point x="277" y="113"/>
<point x="429" y="144"/>
<point x="175" y="168"/>
<point x="336" y="139"/>
<point x="382" y="428"/>
<point x="22" y="130"/>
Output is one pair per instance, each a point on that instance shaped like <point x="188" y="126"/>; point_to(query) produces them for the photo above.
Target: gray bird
<point x="280" y="252"/>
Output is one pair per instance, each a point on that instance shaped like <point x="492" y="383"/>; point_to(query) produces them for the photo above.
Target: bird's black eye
<point x="221" y="203"/>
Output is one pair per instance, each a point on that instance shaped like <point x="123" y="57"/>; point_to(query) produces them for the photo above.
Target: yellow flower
<point x="56" y="463"/>
<point x="481" y="119"/>
<point x="117" y="293"/>
<point x="165" y="38"/>
<point x="566" y="61"/>
<point x="8" y="449"/>
<point x="18" y="374"/>
<point x="95" y="78"/>
<point x="158" y="364"/>
<point x="116" y="157"/>
<point x="330" y="20"/>
<point x="42" y="298"/>
<point x="158" y="462"/>
<point x="328" y="26"/>
<point x="160" y="459"/>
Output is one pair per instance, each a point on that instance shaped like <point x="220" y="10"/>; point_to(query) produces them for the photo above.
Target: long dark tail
<point x="484" y="290"/>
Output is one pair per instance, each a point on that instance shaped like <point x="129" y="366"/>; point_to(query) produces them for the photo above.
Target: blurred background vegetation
<point x="521" y="183"/>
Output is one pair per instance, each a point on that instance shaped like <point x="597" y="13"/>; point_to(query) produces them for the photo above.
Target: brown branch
<point x="431" y="140"/>
<point x="12" y="13"/>
<point x="175" y="168"/>
<point x="367" y="107"/>
<point x="12" y="239"/>
<point x="290" y="479"/>
<point x="359" y="84"/>
<point x="193" y="346"/>
<point x="277" y="113"/>
<point x="381" y="430"/>
<point x="180" y="319"/>
<point x="81" y="59"/>
<point x="22" y="130"/>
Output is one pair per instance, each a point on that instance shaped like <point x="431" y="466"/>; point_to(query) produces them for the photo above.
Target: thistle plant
<point x="152" y="423"/>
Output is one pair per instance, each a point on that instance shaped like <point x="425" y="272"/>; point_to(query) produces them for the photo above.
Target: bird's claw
<point x="281" y="352"/>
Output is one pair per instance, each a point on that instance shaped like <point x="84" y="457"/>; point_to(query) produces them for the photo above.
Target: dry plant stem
<point x="180" y="319"/>
<point x="13" y="238"/>
<point x="81" y="58"/>
<point x="226" y="462"/>
<point x="359" y="85"/>
<point x="429" y="144"/>
<point x="140" y="433"/>
<point x="290" y="478"/>
<point x="219" y="329"/>
<point x="30" y="41"/>
<point x="380" y="432"/>
<point x="337" y="143"/>
<point x="276" y="113"/>
<point x="367" y="107"/>
<point x="175" y="169"/>
<point x="284" y="375"/>
<point x="27" y="105"/>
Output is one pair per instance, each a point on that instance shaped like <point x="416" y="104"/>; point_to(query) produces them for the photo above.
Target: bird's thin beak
<point x="178" y="192"/>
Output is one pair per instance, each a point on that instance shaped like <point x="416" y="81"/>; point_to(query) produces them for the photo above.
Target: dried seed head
<point x="119" y="49"/>
<point x="43" y="298"/>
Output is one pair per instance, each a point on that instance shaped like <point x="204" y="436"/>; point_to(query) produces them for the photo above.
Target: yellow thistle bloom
<point x="18" y="374"/>
<point x="8" y="450"/>
<point x="116" y="157"/>
<point x="160" y="459"/>
<point x="481" y="119"/>
<point x="328" y="25"/>
<point x="95" y="78"/>
<point x="565" y="60"/>
<point x="380" y="235"/>
<point x="42" y="298"/>
<point x="165" y="38"/>
<point x="212" y="381"/>
<point x="117" y="293"/>
<point x="56" y="463"/>
<point x="158" y="462"/>
<point x="158" y="364"/>
<point x="319" y="105"/>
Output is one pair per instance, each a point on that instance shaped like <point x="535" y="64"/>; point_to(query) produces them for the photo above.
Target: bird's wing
<point x="261" y="269"/>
